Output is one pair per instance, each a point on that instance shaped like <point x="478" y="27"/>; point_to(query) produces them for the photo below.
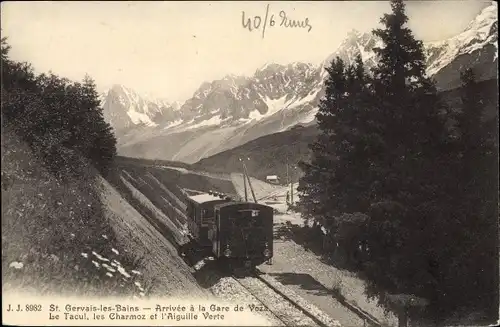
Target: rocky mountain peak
<point x="353" y="35"/>
<point x="124" y="109"/>
<point x="279" y="96"/>
<point x="486" y="18"/>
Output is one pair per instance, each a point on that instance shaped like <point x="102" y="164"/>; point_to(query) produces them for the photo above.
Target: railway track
<point x="282" y="306"/>
<point x="262" y="295"/>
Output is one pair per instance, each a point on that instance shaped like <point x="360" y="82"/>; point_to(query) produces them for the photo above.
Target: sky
<point x="168" y="49"/>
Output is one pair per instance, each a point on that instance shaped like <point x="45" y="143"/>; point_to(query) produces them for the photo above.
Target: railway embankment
<point x="159" y="204"/>
<point x="334" y="291"/>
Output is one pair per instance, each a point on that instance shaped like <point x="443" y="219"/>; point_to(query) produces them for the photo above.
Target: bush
<point x="55" y="237"/>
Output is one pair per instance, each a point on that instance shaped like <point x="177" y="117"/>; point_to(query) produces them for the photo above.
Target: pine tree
<point x="477" y="137"/>
<point x="472" y="273"/>
<point x="335" y="187"/>
<point x="351" y="144"/>
<point x="408" y="105"/>
<point x="314" y="188"/>
<point x="56" y="125"/>
<point x="408" y="130"/>
<point x="18" y="82"/>
<point x="102" y="147"/>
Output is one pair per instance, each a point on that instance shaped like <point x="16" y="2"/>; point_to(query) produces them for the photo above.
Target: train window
<point x="207" y="216"/>
<point x="207" y="213"/>
<point x="194" y="214"/>
<point x="244" y="219"/>
<point x="253" y="213"/>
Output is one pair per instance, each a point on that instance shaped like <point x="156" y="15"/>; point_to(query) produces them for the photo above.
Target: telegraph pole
<point x="245" y="186"/>
<point x="244" y="180"/>
<point x="250" y="183"/>
<point x="287" y="178"/>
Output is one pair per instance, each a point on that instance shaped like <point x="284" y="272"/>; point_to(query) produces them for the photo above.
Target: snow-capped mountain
<point x="237" y="99"/>
<point x="226" y="113"/>
<point x="355" y="44"/>
<point x="123" y="108"/>
<point x="481" y="32"/>
<point x="476" y="46"/>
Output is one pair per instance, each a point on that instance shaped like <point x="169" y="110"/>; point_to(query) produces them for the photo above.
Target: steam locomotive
<point x="239" y="233"/>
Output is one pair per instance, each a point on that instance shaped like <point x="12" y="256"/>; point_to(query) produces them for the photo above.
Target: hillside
<point x="268" y="154"/>
<point x="78" y="236"/>
<point x="65" y="229"/>
<point x="168" y="163"/>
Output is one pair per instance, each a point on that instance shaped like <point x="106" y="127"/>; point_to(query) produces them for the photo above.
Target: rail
<point x="283" y="315"/>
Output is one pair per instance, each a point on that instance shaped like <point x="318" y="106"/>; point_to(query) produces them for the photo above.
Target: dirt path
<point x="305" y="273"/>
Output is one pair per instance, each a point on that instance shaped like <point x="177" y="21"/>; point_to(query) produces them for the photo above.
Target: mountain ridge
<point x="124" y="108"/>
<point x="270" y="154"/>
<point x="230" y="111"/>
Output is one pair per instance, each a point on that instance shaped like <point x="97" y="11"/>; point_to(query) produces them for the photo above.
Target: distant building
<point x="272" y="179"/>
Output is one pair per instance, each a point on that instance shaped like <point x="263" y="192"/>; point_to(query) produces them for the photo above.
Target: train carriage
<point x="243" y="233"/>
<point x="234" y="232"/>
<point x="200" y="208"/>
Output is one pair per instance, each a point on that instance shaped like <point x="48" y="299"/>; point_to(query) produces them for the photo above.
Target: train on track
<point x="237" y="233"/>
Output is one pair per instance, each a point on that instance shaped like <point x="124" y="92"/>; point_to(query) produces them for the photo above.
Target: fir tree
<point x="407" y="187"/>
<point x="407" y="102"/>
<point x="472" y="271"/>
<point x="102" y="148"/>
<point x="426" y="191"/>
<point x="351" y="146"/>
<point x="336" y="183"/>
<point x="314" y="187"/>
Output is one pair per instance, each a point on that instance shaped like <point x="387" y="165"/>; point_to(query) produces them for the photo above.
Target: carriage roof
<point x="250" y="205"/>
<point x="204" y="198"/>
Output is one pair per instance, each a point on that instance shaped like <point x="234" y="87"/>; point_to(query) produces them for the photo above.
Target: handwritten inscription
<point x="270" y="20"/>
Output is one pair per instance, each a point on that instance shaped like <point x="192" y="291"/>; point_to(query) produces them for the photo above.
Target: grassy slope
<point x="176" y="174"/>
<point x="151" y="162"/>
<point x="50" y="229"/>
<point x="268" y="153"/>
<point x="46" y="226"/>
